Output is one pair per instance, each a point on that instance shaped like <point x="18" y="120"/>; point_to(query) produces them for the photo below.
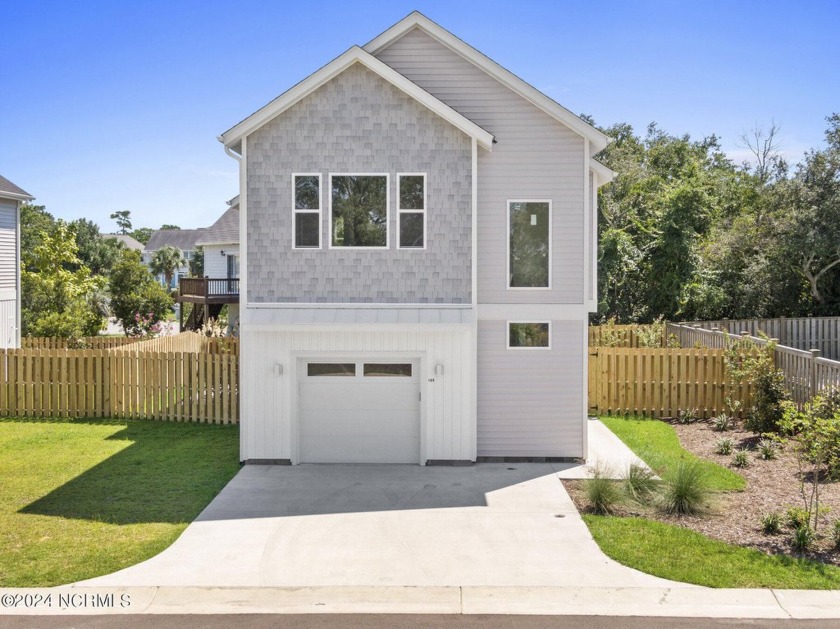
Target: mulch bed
<point x="736" y="517"/>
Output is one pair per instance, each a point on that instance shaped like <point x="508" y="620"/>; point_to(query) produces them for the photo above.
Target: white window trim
<point x="550" y="238"/>
<point x="387" y="211"/>
<point x="296" y="211"/>
<point x="511" y="347"/>
<point x="401" y="211"/>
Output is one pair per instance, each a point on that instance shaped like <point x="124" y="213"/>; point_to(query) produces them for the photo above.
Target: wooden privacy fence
<point x="660" y="382"/>
<point x="177" y="386"/>
<point x="806" y="372"/>
<point x="805" y="333"/>
<point x="186" y="342"/>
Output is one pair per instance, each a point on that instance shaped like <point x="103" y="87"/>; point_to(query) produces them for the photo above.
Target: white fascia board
<point x="13" y="196"/>
<point x="605" y="175"/>
<point x="217" y="244"/>
<point x="233" y="136"/>
<point x="505" y="77"/>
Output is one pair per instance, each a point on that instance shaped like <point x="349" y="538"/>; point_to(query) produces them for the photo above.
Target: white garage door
<point x="359" y="411"/>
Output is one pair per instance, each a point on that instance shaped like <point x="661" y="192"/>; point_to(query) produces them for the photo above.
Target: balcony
<point x="208" y="290"/>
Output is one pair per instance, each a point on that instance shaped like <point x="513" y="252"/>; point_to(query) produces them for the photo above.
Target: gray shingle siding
<point x="359" y="123"/>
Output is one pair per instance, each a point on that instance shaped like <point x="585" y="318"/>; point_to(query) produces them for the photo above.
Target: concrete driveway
<point x="387" y="525"/>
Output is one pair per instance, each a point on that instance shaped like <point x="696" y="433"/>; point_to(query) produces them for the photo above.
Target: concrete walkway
<point x="492" y="538"/>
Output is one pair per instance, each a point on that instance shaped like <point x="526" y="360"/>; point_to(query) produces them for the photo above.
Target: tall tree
<point x="97" y="253"/>
<point x="123" y="220"/>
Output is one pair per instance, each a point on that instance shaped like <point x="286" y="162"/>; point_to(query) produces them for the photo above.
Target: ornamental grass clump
<point x="724" y="446"/>
<point x="641" y="483"/>
<point x="771" y="523"/>
<point x="686" y="490"/>
<point x="741" y="458"/>
<point x="603" y="494"/>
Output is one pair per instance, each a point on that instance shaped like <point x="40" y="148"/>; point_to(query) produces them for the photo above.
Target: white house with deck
<point x="418" y="237"/>
<point x="11" y="198"/>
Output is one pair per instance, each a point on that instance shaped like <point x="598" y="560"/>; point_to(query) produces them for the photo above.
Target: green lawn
<point x="656" y="443"/>
<point x="675" y="553"/>
<point x="82" y="498"/>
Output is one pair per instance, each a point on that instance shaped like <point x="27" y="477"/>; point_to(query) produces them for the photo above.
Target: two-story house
<point x="418" y="234"/>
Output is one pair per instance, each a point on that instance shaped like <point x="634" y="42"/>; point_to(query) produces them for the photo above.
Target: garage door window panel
<point x="387" y="370"/>
<point x="331" y="370"/>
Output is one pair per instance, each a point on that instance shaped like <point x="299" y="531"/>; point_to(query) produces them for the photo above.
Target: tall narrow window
<point x="412" y="211"/>
<point x="529" y="254"/>
<point x="359" y="211"/>
<point x="307" y="211"/>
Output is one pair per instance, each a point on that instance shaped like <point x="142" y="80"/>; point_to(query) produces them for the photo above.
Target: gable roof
<point x="183" y="239"/>
<point x="232" y="138"/>
<point x="224" y="231"/>
<point x="9" y="190"/>
<point x="505" y="77"/>
<point x="126" y="240"/>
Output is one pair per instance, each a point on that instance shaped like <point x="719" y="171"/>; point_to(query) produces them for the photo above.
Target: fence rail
<point x="806" y="372"/>
<point x="661" y="382"/>
<point x="805" y="333"/>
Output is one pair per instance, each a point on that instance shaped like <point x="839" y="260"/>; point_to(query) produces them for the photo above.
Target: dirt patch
<point x="772" y="485"/>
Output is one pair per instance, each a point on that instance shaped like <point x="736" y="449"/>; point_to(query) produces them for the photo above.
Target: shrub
<point x="640" y="483"/>
<point x="687" y="415"/>
<point x="748" y="363"/>
<point x="802" y="538"/>
<point x="741" y="458"/>
<point x="602" y="494"/>
<point x="722" y="422"/>
<point x="686" y="490"/>
<point x="797" y="517"/>
<point x="766" y="449"/>
<point x="724" y="446"/>
<point x="771" y="523"/>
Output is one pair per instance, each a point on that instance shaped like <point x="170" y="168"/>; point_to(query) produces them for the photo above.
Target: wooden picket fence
<point x="88" y="342"/>
<point x="661" y="382"/>
<point x="121" y="383"/>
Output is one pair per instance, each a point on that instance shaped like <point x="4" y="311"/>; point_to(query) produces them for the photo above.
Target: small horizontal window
<point x="388" y="370"/>
<point x="331" y="369"/>
<point x="524" y="335"/>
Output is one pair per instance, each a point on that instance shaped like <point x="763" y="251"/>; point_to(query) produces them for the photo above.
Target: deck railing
<point x="208" y="287"/>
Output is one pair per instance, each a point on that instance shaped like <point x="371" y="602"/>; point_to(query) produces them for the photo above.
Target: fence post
<point x="815" y="353"/>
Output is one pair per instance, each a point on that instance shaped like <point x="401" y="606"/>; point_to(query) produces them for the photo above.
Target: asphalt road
<point x="389" y="621"/>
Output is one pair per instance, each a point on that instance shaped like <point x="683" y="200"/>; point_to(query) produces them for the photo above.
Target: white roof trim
<point x="605" y="175"/>
<point x="14" y="196"/>
<point x="233" y="136"/>
<point x="548" y="105"/>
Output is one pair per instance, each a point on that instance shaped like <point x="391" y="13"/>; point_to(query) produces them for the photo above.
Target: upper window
<point x="529" y="255"/>
<point x="412" y="211"/>
<point x="359" y="211"/>
<point x="307" y="211"/>
<point x="528" y="335"/>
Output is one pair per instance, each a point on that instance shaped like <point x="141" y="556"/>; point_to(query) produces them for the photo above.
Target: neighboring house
<point x="220" y="284"/>
<point x="418" y="227"/>
<point x="182" y="239"/>
<point x="11" y="198"/>
<point x="127" y="241"/>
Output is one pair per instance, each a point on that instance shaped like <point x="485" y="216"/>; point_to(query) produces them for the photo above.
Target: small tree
<point x="815" y="434"/>
<point x="748" y="363"/>
<point x="137" y="300"/>
<point x="166" y="261"/>
<point x="58" y="292"/>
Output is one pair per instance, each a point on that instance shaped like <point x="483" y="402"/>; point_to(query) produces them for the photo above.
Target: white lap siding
<point x="269" y="430"/>
<point x="531" y="402"/>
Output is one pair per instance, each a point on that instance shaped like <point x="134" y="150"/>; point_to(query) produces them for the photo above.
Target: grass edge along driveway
<point x="83" y="498"/>
<point x="679" y="554"/>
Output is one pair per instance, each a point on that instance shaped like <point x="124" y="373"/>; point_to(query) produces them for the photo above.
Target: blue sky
<point x="116" y="105"/>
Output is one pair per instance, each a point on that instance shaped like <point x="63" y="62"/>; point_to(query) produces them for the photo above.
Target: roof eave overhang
<point x="605" y="174"/>
<point x="554" y="109"/>
<point x="232" y="138"/>
<point x="14" y="196"/>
